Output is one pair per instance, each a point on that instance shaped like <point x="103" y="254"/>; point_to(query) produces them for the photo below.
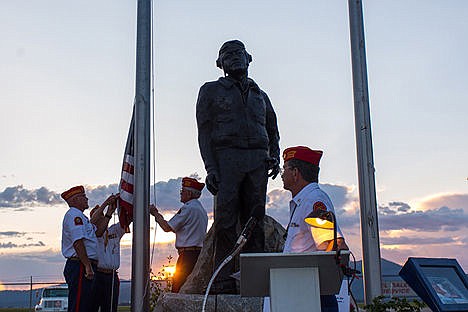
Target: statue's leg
<point x="253" y="194"/>
<point x="226" y="217"/>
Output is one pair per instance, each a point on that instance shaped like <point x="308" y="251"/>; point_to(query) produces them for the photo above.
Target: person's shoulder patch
<point x="78" y="221"/>
<point x="319" y="206"/>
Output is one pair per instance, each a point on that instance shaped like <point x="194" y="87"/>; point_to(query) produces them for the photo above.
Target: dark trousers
<point x="328" y="303"/>
<point x="107" y="292"/>
<point x="242" y="194"/>
<point x="80" y="289"/>
<point x="184" y="266"/>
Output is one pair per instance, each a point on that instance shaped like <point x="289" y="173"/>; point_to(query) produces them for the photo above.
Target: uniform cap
<point x="72" y="192"/>
<point x="302" y="153"/>
<point x="192" y="183"/>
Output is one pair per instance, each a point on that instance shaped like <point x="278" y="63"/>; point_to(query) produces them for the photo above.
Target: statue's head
<point x="233" y="57"/>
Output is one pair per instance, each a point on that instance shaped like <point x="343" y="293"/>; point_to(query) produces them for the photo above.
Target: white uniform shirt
<point x="301" y="236"/>
<point x="76" y="226"/>
<point x="190" y="224"/>
<point x="109" y="255"/>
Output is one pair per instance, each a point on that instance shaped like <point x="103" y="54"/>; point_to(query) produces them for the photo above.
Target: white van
<point x="54" y="298"/>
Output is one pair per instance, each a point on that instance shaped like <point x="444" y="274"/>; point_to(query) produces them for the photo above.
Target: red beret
<point x="192" y="183"/>
<point x="302" y="153"/>
<point x="72" y="192"/>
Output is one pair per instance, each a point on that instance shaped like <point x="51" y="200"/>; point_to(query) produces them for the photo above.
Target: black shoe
<point x="224" y="287"/>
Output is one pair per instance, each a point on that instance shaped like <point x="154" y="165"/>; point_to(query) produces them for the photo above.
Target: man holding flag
<point x="189" y="224"/>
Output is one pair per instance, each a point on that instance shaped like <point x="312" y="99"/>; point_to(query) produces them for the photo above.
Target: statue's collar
<point x="228" y="82"/>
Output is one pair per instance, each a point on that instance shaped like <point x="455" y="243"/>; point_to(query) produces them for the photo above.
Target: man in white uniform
<point x="106" y="296"/>
<point x="300" y="177"/>
<point x="79" y="246"/>
<point x="189" y="225"/>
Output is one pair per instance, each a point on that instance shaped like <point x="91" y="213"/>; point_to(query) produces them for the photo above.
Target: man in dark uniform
<point x="238" y="139"/>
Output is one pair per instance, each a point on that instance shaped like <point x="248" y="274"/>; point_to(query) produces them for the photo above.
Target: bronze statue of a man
<point x="239" y="143"/>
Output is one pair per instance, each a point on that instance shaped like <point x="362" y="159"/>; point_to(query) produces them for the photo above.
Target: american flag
<point x="126" y="182"/>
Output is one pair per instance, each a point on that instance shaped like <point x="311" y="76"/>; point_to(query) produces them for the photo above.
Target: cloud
<point x="407" y="240"/>
<point x="439" y="220"/>
<point x="98" y="194"/>
<point x="277" y="203"/>
<point x="400" y="206"/>
<point x="12" y="245"/>
<point x="447" y="211"/>
<point x="448" y="200"/>
<point x="452" y="219"/>
<point x="6" y="176"/>
<point x="167" y="196"/>
<point x="12" y="234"/>
<point x="341" y="195"/>
<point x="18" y="196"/>
<point x="443" y="223"/>
<point x="393" y="208"/>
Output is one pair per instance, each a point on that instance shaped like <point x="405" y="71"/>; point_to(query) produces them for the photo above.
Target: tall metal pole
<point x="369" y="221"/>
<point x="140" y="249"/>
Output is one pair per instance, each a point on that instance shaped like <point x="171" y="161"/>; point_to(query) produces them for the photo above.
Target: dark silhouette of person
<point x="239" y="143"/>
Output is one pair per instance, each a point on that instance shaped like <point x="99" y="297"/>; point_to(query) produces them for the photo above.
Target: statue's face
<point x="234" y="59"/>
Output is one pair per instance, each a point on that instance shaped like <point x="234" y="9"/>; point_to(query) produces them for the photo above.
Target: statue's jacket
<point x="229" y="116"/>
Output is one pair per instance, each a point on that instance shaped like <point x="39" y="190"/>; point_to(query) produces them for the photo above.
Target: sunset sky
<point x="67" y="93"/>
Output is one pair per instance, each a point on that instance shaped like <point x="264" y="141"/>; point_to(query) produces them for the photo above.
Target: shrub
<point x="380" y="304"/>
<point x="160" y="283"/>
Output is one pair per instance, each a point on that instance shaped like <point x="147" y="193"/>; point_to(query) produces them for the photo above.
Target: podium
<point x="294" y="281"/>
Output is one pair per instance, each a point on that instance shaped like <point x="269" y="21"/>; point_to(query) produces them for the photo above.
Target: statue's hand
<point x="274" y="172"/>
<point x="273" y="167"/>
<point x="212" y="182"/>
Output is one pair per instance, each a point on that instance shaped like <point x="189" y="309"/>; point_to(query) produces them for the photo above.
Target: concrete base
<point x="171" y="302"/>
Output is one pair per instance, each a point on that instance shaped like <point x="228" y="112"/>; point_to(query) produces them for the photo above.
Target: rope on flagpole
<point x="153" y="127"/>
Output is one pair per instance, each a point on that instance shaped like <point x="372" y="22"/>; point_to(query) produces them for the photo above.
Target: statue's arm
<point x="272" y="130"/>
<point x="205" y="127"/>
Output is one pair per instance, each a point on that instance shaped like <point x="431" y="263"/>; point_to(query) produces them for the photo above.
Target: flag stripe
<point x="126" y="183"/>
<point x="125" y="196"/>
<point x="127" y="177"/>
<point x="128" y="167"/>
<point x="126" y="205"/>
<point x="125" y="186"/>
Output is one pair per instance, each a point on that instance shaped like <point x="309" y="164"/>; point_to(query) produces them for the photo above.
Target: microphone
<point x="247" y="230"/>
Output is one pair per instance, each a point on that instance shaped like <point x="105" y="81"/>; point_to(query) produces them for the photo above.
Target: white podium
<point x="294" y="281"/>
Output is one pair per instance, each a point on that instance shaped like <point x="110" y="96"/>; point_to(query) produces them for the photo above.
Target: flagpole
<point x="140" y="248"/>
<point x="367" y="196"/>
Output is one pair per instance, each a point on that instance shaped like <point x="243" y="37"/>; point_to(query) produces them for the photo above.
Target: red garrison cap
<point x="192" y="183"/>
<point x="72" y="192"/>
<point x="302" y="153"/>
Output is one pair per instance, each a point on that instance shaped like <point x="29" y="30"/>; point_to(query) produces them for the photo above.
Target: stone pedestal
<point x="171" y="302"/>
<point x="198" y="281"/>
<point x="192" y="292"/>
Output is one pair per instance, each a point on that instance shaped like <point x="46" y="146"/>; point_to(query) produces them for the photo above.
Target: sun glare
<point x="169" y="270"/>
<point x="2" y="287"/>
